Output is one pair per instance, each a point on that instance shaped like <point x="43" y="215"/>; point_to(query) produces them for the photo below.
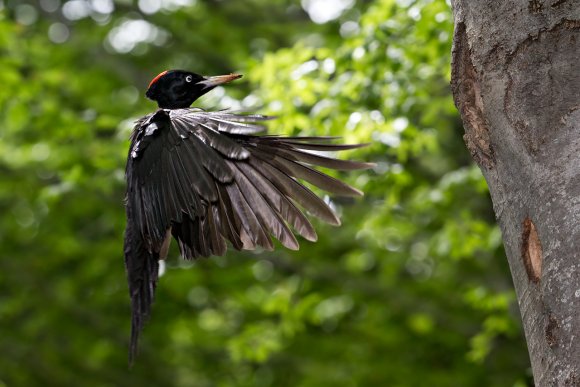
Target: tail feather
<point x="142" y="268"/>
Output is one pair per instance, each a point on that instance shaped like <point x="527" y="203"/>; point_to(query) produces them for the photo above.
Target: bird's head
<point x="177" y="89"/>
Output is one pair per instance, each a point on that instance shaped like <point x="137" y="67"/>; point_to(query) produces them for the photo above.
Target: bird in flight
<point x="207" y="177"/>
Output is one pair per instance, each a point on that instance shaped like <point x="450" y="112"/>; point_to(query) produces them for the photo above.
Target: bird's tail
<point x="142" y="268"/>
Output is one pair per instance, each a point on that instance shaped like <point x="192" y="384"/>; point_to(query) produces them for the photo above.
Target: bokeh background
<point x="412" y="290"/>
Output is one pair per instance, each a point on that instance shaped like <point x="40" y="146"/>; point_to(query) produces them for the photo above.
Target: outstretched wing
<point x="206" y="177"/>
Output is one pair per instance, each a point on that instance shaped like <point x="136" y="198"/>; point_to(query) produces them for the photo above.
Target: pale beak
<point x="218" y="80"/>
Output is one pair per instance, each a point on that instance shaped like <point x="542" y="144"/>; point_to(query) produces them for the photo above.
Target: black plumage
<point x="205" y="178"/>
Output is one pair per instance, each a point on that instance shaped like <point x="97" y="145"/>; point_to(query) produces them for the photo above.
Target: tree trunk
<point x="516" y="83"/>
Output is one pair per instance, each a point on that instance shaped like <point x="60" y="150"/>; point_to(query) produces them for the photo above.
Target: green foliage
<point x="412" y="290"/>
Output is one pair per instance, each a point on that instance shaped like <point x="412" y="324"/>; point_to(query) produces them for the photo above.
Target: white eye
<point x="189" y="78"/>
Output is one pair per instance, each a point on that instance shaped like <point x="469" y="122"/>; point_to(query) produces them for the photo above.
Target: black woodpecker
<point x="207" y="177"/>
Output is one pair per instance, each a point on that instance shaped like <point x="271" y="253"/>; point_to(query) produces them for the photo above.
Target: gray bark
<point x="516" y="83"/>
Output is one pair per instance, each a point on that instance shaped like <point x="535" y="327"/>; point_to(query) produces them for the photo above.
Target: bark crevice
<point x="466" y="89"/>
<point x="532" y="251"/>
